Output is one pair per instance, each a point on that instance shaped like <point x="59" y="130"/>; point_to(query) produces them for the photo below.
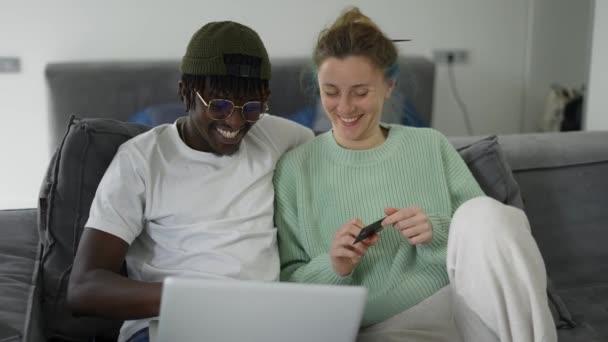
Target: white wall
<point x="40" y="31"/>
<point x="559" y="48"/>
<point x="597" y="105"/>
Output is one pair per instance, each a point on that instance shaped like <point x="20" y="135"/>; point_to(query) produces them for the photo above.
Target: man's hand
<point x="344" y="255"/>
<point x="411" y="222"/>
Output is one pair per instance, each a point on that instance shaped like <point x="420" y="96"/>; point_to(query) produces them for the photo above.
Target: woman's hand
<point x="344" y="255"/>
<point x="411" y="222"/>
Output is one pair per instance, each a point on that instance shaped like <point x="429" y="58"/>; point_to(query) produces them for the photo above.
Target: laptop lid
<point x="228" y="311"/>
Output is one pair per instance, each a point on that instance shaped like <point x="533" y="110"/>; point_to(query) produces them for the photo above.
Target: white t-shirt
<point x="191" y="213"/>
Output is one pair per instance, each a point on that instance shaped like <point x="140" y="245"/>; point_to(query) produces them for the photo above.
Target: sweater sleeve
<point x="461" y="183"/>
<point x="296" y="264"/>
<point x="462" y="187"/>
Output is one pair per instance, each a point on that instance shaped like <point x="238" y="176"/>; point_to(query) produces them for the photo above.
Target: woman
<point x="493" y="284"/>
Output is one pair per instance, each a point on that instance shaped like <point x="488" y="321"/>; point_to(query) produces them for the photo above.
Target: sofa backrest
<point x="118" y="90"/>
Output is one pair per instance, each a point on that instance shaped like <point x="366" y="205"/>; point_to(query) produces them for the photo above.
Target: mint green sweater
<point x="319" y="186"/>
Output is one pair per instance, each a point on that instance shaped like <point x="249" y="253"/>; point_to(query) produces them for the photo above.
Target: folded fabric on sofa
<point x="488" y="164"/>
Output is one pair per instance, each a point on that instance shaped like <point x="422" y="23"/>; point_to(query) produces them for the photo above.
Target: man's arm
<point x="96" y="286"/>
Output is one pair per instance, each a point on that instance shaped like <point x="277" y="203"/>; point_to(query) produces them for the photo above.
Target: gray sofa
<point x="561" y="177"/>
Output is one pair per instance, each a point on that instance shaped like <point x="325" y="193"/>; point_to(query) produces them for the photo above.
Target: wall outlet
<point x="10" y="65"/>
<point x="457" y="56"/>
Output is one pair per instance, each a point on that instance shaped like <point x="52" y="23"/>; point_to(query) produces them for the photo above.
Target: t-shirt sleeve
<point x="305" y="135"/>
<point x="118" y="206"/>
<point x="286" y="134"/>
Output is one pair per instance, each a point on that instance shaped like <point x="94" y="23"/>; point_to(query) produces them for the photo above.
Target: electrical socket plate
<point x="10" y="65"/>
<point x="459" y="56"/>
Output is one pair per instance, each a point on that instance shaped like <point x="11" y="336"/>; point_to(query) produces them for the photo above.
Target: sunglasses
<point x="220" y="109"/>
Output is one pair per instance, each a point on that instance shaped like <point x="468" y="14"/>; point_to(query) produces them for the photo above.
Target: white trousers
<point x="497" y="288"/>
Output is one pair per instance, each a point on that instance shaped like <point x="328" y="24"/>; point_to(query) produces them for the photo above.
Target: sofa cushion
<point x="489" y="166"/>
<point x="65" y="199"/>
<point x="589" y="306"/>
<point x="19" y="250"/>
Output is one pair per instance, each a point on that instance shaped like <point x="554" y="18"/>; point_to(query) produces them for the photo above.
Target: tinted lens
<point x="253" y="110"/>
<point x="220" y="109"/>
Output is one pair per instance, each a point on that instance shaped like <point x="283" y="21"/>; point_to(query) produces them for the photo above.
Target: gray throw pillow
<point x="65" y="199"/>
<point x="488" y="164"/>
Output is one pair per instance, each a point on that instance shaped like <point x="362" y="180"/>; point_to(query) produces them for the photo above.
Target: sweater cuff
<point x="325" y="273"/>
<point x="441" y="228"/>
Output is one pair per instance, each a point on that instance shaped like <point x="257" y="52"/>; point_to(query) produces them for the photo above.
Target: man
<point x="194" y="198"/>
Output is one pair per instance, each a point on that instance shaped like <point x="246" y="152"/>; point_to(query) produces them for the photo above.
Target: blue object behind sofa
<point x="118" y="90"/>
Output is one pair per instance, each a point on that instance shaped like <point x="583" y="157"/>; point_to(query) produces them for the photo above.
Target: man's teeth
<point x="349" y="120"/>
<point x="228" y="134"/>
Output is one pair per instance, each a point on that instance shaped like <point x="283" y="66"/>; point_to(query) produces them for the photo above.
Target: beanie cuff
<point x="211" y="66"/>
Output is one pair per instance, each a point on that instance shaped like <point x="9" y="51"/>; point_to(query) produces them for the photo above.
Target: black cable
<point x="463" y="107"/>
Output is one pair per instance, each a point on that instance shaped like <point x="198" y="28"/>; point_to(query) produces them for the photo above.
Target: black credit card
<point x="369" y="230"/>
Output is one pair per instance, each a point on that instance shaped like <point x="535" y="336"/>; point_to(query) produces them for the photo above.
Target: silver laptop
<point x="229" y="311"/>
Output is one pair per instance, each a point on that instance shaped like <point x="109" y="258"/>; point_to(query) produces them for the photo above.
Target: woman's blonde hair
<point x="355" y="34"/>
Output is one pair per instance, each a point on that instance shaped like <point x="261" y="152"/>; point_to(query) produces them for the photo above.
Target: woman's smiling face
<point x="353" y="91"/>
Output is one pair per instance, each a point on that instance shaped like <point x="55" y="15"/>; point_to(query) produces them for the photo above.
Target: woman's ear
<point x="391" y="86"/>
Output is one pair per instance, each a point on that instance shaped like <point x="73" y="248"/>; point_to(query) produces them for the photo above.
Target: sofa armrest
<point x="19" y="281"/>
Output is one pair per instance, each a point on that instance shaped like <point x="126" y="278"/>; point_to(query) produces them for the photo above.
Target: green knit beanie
<point x="206" y="50"/>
